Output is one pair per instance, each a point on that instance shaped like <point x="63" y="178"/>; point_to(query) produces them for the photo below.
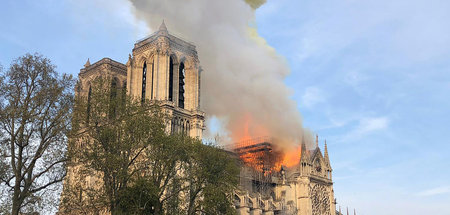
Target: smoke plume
<point x="255" y="3"/>
<point x="242" y="81"/>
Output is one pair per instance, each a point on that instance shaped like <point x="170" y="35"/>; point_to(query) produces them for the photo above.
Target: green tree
<point x="111" y="132"/>
<point x="142" y="169"/>
<point x="185" y="177"/>
<point x="165" y="161"/>
<point x="212" y="175"/>
<point x="139" y="198"/>
<point x="35" y="109"/>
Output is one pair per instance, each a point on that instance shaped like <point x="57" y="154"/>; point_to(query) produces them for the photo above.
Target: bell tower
<point x="166" y="69"/>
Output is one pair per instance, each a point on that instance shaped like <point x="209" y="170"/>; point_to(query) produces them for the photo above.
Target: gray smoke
<point x="242" y="82"/>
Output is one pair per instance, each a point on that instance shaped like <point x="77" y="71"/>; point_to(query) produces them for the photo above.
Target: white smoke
<point x="242" y="82"/>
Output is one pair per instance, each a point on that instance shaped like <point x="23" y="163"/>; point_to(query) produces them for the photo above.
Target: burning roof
<point x="262" y="155"/>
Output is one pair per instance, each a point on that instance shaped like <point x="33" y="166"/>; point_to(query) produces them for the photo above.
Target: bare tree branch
<point x="36" y="108"/>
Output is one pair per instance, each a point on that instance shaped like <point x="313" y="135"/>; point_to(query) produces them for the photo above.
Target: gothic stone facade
<point x="162" y="69"/>
<point x="166" y="69"/>
<point x="305" y="189"/>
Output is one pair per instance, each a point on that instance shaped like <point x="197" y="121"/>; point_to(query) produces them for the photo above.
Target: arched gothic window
<point x="144" y="81"/>
<point x="249" y="203"/>
<point x="237" y="200"/>
<point x="88" y="109"/>
<point x="113" y="98"/>
<point x="171" y="79"/>
<point x="183" y="123"/>
<point x="181" y="86"/>
<point x="188" y="127"/>
<point x="113" y="93"/>
<point x="124" y="92"/>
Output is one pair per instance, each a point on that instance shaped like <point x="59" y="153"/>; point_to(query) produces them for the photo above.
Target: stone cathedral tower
<point x="162" y="69"/>
<point x="166" y="69"/>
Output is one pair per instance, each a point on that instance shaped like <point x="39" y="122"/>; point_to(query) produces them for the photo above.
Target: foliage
<point x="139" y="198"/>
<point x="110" y="134"/>
<point x="35" y="109"/>
<point x="212" y="177"/>
<point x="188" y="177"/>
<point x="127" y="163"/>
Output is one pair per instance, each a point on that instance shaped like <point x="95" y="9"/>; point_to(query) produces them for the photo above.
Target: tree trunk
<point x="158" y="209"/>
<point x="16" y="200"/>
<point x="16" y="205"/>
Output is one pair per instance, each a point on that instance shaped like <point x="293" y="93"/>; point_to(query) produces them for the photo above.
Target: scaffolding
<point x="260" y="163"/>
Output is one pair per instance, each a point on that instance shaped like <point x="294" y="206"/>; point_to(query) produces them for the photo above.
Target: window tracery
<point x="144" y="81"/>
<point x="320" y="200"/>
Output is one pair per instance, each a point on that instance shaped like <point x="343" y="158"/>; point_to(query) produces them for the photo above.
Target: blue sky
<point x="371" y="77"/>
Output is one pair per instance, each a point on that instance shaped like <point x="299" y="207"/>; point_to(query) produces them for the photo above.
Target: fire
<point x="259" y="153"/>
<point x="292" y="157"/>
<point x="248" y="129"/>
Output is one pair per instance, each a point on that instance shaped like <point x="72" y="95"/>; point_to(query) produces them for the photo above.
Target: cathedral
<point x="304" y="189"/>
<point x="166" y="69"/>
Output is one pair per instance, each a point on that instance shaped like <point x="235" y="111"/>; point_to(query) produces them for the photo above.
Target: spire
<point x="163" y="27"/>
<point x="303" y="147"/>
<point x="347" y="210"/>
<point x="304" y="159"/>
<point x="303" y="150"/>
<point x="340" y="213"/>
<point x="325" y="154"/>
<point x="354" y="211"/>
<point x="303" y="153"/>
<point x="317" y="141"/>
<point x="88" y="63"/>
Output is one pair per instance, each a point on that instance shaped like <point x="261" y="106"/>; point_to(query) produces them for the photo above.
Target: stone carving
<point x="320" y="200"/>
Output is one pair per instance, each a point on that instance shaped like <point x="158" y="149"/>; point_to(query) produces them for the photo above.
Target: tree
<point x="35" y="110"/>
<point x="109" y="136"/>
<point x="212" y="175"/>
<point x="165" y="160"/>
<point x="138" y="168"/>
<point x="184" y="177"/>
<point x="139" y="198"/>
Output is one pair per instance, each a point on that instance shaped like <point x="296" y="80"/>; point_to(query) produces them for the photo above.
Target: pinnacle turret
<point x="88" y="63"/>
<point x="163" y="27"/>
<point x="303" y="153"/>
<point x="129" y="60"/>
<point x="325" y="154"/>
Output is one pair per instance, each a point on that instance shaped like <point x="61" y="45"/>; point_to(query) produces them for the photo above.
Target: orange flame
<point x="248" y="129"/>
<point x="263" y="161"/>
<point x="292" y="158"/>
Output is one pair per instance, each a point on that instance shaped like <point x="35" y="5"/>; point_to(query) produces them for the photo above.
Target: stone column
<point x="332" y="202"/>
<point x="129" y="76"/>
<point x="304" y="199"/>
<point x="256" y="211"/>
